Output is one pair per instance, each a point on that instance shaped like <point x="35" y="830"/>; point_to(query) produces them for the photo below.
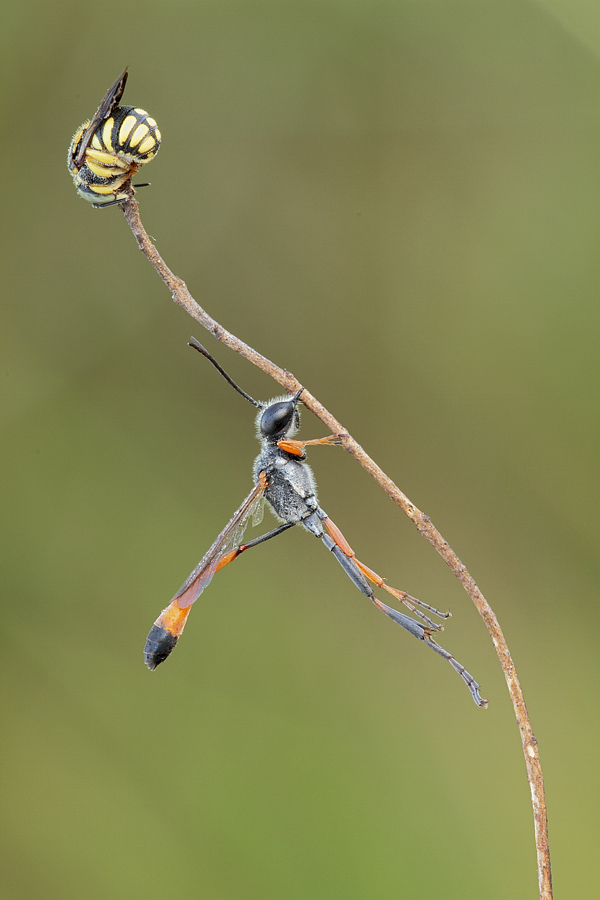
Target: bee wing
<point x="202" y="575"/>
<point x="109" y="102"/>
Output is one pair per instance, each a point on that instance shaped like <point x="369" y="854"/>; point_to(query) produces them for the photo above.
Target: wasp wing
<point x="167" y="629"/>
<point x="201" y="577"/>
<point x="109" y="102"/>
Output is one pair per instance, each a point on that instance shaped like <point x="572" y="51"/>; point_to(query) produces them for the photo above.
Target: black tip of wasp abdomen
<point x="159" y="644"/>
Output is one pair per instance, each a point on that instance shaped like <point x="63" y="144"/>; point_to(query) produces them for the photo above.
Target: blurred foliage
<point x="399" y="203"/>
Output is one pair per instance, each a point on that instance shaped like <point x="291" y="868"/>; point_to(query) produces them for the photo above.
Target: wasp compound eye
<point x="277" y="418"/>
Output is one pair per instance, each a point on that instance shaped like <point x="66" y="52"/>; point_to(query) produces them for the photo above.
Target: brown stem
<point x="183" y="298"/>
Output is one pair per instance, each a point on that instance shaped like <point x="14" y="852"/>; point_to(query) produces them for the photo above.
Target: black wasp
<point x="107" y="151"/>
<point x="283" y="478"/>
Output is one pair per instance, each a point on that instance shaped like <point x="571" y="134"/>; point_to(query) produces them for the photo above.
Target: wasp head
<point x="280" y="418"/>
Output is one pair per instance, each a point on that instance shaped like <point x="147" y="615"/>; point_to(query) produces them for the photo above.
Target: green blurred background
<point x="399" y="202"/>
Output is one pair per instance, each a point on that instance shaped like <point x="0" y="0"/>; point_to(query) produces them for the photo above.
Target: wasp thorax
<point x="278" y="417"/>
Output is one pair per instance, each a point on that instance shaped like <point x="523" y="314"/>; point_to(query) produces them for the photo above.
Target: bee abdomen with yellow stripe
<point x="107" y="151"/>
<point x="129" y="133"/>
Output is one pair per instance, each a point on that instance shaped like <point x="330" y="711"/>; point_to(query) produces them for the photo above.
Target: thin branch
<point x="183" y="298"/>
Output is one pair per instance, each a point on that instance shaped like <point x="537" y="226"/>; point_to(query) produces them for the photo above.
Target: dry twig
<point x="183" y="298"/>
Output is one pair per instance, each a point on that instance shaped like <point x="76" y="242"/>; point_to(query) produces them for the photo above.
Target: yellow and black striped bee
<point x="107" y="151"/>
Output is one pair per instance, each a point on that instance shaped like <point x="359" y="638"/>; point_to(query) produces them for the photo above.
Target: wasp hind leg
<point x="335" y="541"/>
<point x="412" y="603"/>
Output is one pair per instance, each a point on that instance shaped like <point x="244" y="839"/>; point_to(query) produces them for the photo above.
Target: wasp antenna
<point x="198" y="346"/>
